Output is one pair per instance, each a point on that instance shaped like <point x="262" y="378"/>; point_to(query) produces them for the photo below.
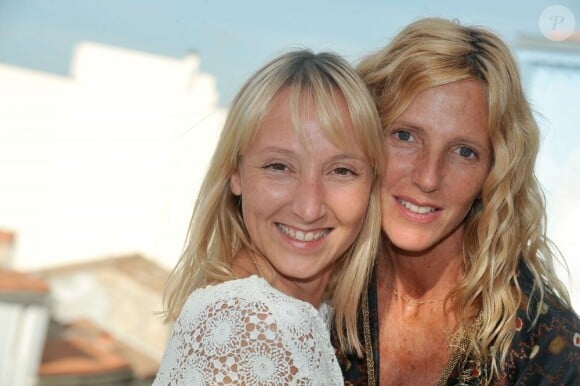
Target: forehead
<point x="458" y="108"/>
<point x="309" y="117"/>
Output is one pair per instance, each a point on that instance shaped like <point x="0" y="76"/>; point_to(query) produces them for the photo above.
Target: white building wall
<point x="107" y="161"/>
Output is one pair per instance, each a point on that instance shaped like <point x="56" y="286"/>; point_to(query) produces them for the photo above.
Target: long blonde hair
<point x="507" y="225"/>
<point x="217" y="233"/>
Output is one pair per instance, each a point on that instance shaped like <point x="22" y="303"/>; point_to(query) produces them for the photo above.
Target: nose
<point x="308" y="199"/>
<point x="428" y="172"/>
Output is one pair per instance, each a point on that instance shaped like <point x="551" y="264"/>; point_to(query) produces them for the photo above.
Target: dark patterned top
<point x="547" y="353"/>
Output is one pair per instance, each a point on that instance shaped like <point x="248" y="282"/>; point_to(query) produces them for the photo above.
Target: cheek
<point x="394" y="174"/>
<point x="263" y="198"/>
<point x="471" y="186"/>
<point x="398" y="164"/>
<point x="351" y="207"/>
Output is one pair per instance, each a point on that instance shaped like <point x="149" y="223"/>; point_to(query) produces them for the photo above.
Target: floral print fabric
<point x="544" y="353"/>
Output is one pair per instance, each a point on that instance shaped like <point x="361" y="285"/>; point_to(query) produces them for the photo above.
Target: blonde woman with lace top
<point x="283" y="232"/>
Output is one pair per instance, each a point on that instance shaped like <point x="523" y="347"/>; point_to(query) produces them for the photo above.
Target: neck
<point x="307" y="291"/>
<point x="249" y="263"/>
<point x="421" y="277"/>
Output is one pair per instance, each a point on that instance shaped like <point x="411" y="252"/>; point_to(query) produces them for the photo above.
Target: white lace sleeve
<point x="228" y="335"/>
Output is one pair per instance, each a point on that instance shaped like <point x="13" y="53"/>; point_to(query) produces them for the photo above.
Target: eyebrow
<point x="405" y="124"/>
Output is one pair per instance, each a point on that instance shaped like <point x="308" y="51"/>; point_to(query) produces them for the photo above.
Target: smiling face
<point x="303" y="201"/>
<point x="438" y="157"/>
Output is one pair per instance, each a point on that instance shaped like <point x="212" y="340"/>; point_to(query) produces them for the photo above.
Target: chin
<point x="409" y="244"/>
<point x="297" y="277"/>
<point x="303" y="273"/>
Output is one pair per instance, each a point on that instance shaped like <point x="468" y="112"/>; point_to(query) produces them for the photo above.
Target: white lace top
<point x="245" y="332"/>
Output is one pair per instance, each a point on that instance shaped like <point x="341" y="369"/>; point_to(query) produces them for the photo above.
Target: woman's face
<point x="303" y="203"/>
<point x="438" y="157"/>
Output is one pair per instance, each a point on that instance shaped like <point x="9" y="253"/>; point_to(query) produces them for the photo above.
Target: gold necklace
<point x="412" y="302"/>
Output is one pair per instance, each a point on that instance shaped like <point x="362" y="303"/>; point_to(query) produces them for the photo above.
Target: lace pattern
<point x="244" y="332"/>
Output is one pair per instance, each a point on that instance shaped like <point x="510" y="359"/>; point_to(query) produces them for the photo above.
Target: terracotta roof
<point x="22" y="287"/>
<point x="6" y="236"/>
<point x="122" y="297"/>
<point x="79" y="353"/>
<point x="11" y="280"/>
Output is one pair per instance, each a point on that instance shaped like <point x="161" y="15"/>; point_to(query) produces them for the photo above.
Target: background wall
<point x="106" y="160"/>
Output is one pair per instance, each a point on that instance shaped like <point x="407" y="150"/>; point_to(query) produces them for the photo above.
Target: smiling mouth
<point x="415" y="208"/>
<point x="303" y="236"/>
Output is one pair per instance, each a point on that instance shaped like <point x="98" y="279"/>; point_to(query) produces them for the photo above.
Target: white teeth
<point x="303" y="236"/>
<point x="416" y="209"/>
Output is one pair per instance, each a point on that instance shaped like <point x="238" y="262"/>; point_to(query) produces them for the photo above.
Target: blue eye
<point x="403" y="135"/>
<point x="466" y="152"/>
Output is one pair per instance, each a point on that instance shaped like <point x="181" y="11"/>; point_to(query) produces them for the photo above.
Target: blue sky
<point x="234" y="38"/>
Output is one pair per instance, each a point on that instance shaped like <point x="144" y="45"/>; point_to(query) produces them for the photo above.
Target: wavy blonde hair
<point x="217" y="233"/>
<point x="506" y="226"/>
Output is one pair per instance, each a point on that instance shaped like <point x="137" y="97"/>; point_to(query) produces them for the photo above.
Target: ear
<point x="236" y="183"/>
